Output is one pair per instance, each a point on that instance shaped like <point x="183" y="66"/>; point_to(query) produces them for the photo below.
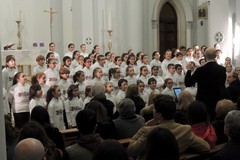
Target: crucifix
<point x="51" y="12"/>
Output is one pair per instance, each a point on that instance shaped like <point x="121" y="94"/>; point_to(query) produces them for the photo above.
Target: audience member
<point x="133" y="94"/>
<point x="29" y="149"/>
<point x="165" y="108"/>
<point x="201" y="126"/>
<point x="222" y="108"/>
<point x="110" y="150"/>
<point x="35" y="130"/>
<point x="162" y="144"/>
<point x="184" y="99"/>
<point x="128" y="123"/>
<point x="232" y="130"/>
<point x="147" y="112"/>
<point x="88" y="142"/>
<point x="40" y="115"/>
<point x="98" y="91"/>
<point x="105" y="126"/>
<point x="234" y="86"/>
<point x="12" y="135"/>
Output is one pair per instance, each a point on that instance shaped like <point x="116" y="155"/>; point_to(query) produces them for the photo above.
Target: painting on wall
<point x="202" y="11"/>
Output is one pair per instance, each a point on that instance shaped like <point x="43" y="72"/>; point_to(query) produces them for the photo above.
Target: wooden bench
<point x="69" y="136"/>
<point x="195" y="156"/>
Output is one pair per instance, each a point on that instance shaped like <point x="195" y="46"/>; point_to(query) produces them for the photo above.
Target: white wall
<point x="34" y="25"/>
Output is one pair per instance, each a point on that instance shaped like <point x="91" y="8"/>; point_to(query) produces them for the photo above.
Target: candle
<point x="18" y="15"/>
<point x="109" y="21"/>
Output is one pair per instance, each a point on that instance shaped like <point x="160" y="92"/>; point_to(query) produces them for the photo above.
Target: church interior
<point x="28" y="27"/>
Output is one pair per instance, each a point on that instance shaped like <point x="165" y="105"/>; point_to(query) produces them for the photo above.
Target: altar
<point x="25" y="59"/>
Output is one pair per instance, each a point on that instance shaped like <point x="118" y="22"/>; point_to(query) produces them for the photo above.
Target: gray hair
<point x="126" y="107"/>
<point x="232" y="124"/>
<point x="98" y="89"/>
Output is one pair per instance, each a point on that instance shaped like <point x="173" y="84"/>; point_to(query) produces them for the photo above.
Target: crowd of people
<point x="108" y="96"/>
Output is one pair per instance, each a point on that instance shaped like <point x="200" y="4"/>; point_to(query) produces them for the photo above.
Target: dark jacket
<point x="211" y="84"/>
<point x="229" y="152"/>
<point x="234" y="90"/>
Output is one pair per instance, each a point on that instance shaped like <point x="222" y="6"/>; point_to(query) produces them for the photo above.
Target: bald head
<point x="210" y="54"/>
<point x="29" y="149"/>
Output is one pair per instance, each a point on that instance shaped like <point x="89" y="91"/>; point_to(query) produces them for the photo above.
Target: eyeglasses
<point x="170" y="83"/>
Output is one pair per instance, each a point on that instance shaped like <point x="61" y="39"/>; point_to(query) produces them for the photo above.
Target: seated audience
<point x="162" y="144"/>
<point x="234" y="86"/>
<point x="110" y="150"/>
<point x="12" y="135"/>
<point x="105" y="126"/>
<point x="29" y="149"/>
<point x="201" y="126"/>
<point x="98" y="92"/>
<point x="232" y="130"/>
<point x="184" y="99"/>
<point x="88" y="141"/>
<point x="35" y="130"/>
<point x="147" y="112"/>
<point x="164" y="109"/>
<point x="128" y="123"/>
<point x="133" y="94"/>
<point x="40" y="115"/>
<point x="222" y="108"/>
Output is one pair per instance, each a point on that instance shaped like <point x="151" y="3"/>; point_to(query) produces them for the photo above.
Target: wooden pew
<point x="195" y="156"/>
<point x="69" y="136"/>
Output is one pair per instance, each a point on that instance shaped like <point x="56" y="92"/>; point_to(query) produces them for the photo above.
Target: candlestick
<point x="19" y="35"/>
<point x="109" y="40"/>
<point x="18" y="15"/>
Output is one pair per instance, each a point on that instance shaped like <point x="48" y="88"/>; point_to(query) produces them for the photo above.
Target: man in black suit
<point x="210" y="79"/>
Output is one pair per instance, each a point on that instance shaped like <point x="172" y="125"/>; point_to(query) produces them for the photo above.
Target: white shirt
<point x="160" y="81"/>
<point x="155" y="62"/>
<point x="35" y="102"/>
<point x="120" y="96"/>
<point x="73" y="106"/>
<point x="6" y="107"/>
<point x="144" y="96"/>
<point x="69" y="54"/>
<point x="20" y="95"/>
<point x="45" y="88"/>
<point x="81" y="86"/>
<point x="169" y="92"/>
<point x="7" y="77"/>
<point x="55" y="110"/>
<point x="131" y="80"/>
<point x="84" y="54"/>
<point x="52" y="77"/>
<point x="88" y="75"/>
<point x="64" y="85"/>
<point x="164" y="65"/>
<point x="180" y="79"/>
<point x="86" y="100"/>
<point x="111" y="97"/>
<point x="38" y="69"/>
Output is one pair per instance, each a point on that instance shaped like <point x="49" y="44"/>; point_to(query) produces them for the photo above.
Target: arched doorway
<point x="184" y="14"/>
<point x="168" y="28"/>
